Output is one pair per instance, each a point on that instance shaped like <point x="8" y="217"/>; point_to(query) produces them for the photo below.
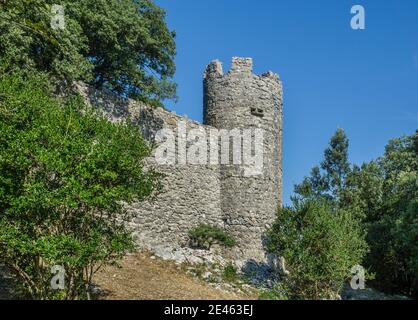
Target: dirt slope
<point x="143" y="277"/>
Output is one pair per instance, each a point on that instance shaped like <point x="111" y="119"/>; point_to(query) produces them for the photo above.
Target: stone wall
<point x="191" y="193"/>
<point x="214" y="194"/>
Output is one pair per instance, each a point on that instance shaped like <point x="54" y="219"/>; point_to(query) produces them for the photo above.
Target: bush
<point x="392" y="217"/>
<point x="394" y="251"/>
<point x="206" y="235"/>
<point x="320" y="245"/>
<point x="64" y="173"/>
<point x="383" y="194"/>
<point x="406" y="244"/>
<point x="230" y="273"/>
<point x="278" y="292"/>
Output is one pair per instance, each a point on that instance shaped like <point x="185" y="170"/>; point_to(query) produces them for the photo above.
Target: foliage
<point x="230" y="273"/>
<point x="406" y="244"/>
<point x="65" y="172"/>
<point x="279" y="292"/>
<point x="121" y="45"/>
<point x="328" y="181"/>
<point x="320" y="244"/>
<point x="335" y="162"/>
<point x="206" y="235"/>
<point x="381" y="196"/>
<point x="321" y="237"/>
<point x="389" y="191"/>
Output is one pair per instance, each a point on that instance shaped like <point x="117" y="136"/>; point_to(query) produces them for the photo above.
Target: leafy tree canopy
<point x="321" y="236"/>
<point x="121" y="45"/>
<point x="328" y="180"/>
<point x="388" y="189"/>
<point x="65" y="173"/>
<point x="382" y="196"/>
<point x="319" y="245"/>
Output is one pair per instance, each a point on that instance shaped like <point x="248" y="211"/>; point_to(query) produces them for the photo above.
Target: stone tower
<point x="241" y="100"/>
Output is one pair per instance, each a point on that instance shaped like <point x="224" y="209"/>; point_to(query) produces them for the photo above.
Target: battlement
<point x="240" y="67"/>
<point x="213" y="69"/>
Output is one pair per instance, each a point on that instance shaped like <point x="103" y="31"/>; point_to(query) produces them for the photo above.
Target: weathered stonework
<point x="218" y="194"/>
<point x="240" y="99"/>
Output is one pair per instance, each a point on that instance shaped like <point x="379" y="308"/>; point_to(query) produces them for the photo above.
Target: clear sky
<point x="365" y="81"/>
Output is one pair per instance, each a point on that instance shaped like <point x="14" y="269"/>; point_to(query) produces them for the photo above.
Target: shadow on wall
<point x="263" y="274"/>
<point x="259" y="274"/>
<point x="113" y="106"/>
<point x="117" y="109"/>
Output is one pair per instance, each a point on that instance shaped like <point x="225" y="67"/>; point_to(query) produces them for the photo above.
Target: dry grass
<point x="142" y="278"/>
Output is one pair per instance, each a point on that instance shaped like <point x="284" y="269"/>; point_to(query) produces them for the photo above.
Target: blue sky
<point x="365" y="81"/>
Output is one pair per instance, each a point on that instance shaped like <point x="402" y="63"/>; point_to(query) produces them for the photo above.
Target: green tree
<point x="65" y="174"/>
<point x="388" y="188"/>
<point x="406" y="245"/>
<point x="121" y="45"/>
<point x="328" y="181"/>
<point x="321" y="236"/>
<point x="381" y="197"/>
<point x="364" y="189"/>
<point x="320" y="244"/>
<point x="336" y="164"/>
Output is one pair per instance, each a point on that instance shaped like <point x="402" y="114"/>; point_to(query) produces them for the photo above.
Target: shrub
<point x="64" y="175"/>
<point x="406" y="244"/>
<point x="230" y="273"/>
<point x="320" y="245"/>
<point x="394" y="251"/>
<point x="392" y="216"/>
<point x="206" y="235"/>
<point x="278" y="292"/>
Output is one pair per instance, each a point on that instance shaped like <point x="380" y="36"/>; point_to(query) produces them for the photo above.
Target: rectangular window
<point x="257" y="112"/>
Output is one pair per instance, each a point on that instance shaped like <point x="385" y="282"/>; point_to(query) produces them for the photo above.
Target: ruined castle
<point x="216" y="194"/>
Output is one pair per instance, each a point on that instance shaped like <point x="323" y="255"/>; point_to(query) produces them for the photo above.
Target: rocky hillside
<point x="145" y="277"/>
